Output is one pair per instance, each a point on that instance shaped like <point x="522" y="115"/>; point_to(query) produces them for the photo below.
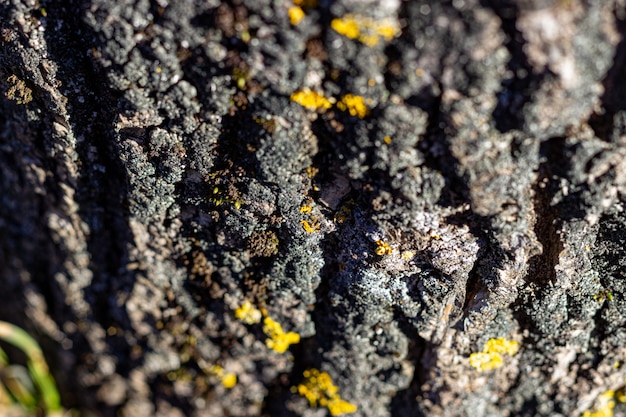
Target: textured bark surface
<point x="158" y="172"/>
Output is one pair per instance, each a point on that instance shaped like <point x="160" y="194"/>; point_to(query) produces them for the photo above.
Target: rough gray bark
<point x="156" y="174"/>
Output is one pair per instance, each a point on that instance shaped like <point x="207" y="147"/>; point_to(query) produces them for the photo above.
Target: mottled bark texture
<point x="459" y="177"/>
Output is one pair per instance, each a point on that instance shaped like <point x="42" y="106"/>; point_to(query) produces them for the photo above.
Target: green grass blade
<point x="37" y="365"/>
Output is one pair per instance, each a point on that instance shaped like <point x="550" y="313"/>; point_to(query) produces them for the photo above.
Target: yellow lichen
<point x="491" y="355"/>
<point x="409" y="254"/>
<point x="344" y="212"/>
<point x="248" y="313"/>
<point x="278" y="340"/>
<point x="307" y="4"/>
<point x="228" y="379"/>
<point x="311" y="100"/>
<point x="355" y="105"/>
<point x="319" y="390"/>
<point x="486" y="361"/>
<point x="364" y="29"/>
<point x="501" y="345"/>
<point x="387" y="139"/>
<point x="311" y="171"/>
<point x="603" y="407"/>
<point x="18" y="91"/>
<point x="369" y="40"/>
<point x="346" y="26"/>
<point x="306" y="209"/>
<point x="620" y="395"/>
<point x="383" y="248"/>
<point x="310" y="227"/>
<point x="296" y="15"/>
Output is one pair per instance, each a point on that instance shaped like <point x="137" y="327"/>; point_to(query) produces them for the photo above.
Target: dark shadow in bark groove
<point x="439" y="158"/>
<point x="572" y="206"/>
<point x="541" y="270"/>
<point x="405" y="402"/>
<point x="604" y="124"/>
<point x="101" y="193"/>
<point x="515" y="92"/>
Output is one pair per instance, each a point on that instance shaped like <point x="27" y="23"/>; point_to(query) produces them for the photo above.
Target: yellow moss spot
<point x="296" y="15"/>
<point x="306" y="209"/>
<point x="355" y="105"/>
<point x="365" y="30"/>
<point x="311" y="100"/>
<point x="603" y="407"/>
<point x="383" y="248"/>
<point x="278" y="339"/>
<point x="248" y="313"/>
<point x="387" y="140"/>
<point x="310" y="228"/>
<point x="319" y="390"/>
<point x="491" y="356"/>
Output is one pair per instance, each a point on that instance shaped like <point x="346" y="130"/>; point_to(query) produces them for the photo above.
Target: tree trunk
<point x="236" y="208"/>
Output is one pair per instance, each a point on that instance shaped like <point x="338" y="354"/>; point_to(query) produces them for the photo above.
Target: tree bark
<point x="423" y="200"/>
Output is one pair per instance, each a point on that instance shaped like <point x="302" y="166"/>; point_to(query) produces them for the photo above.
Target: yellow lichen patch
<point x="296" y="15"/>
<point x="355" y="105"/>
<point x="501" y="345"/>
<point x="369" y="40"/>
<point x="347" y="26"/>
<point x="319" y="390"/>
<point x="306" y="209"/>
<point x="603" y="407"/>
<point x="620" y="395"/>
<point x="409" y="254"/>
<point x="383" y="248"/>
<point x="311" y="100"/>
<point x="435" y="236"/>
<point x="311" y="171"/>
<point x="18" y="91"/>
<point x="278" y="339"/>
<point x="365" y="30"/>
<point x="248" y="313"/>
<point x="344" y="212"/>
<point x="387" y="139"/>
<point x="491" y="355"/>
<point x="310" y="227"/>
<point x="485" y="361"/>
<point x="307" y="4"/>
<point x="228" y="379"/>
